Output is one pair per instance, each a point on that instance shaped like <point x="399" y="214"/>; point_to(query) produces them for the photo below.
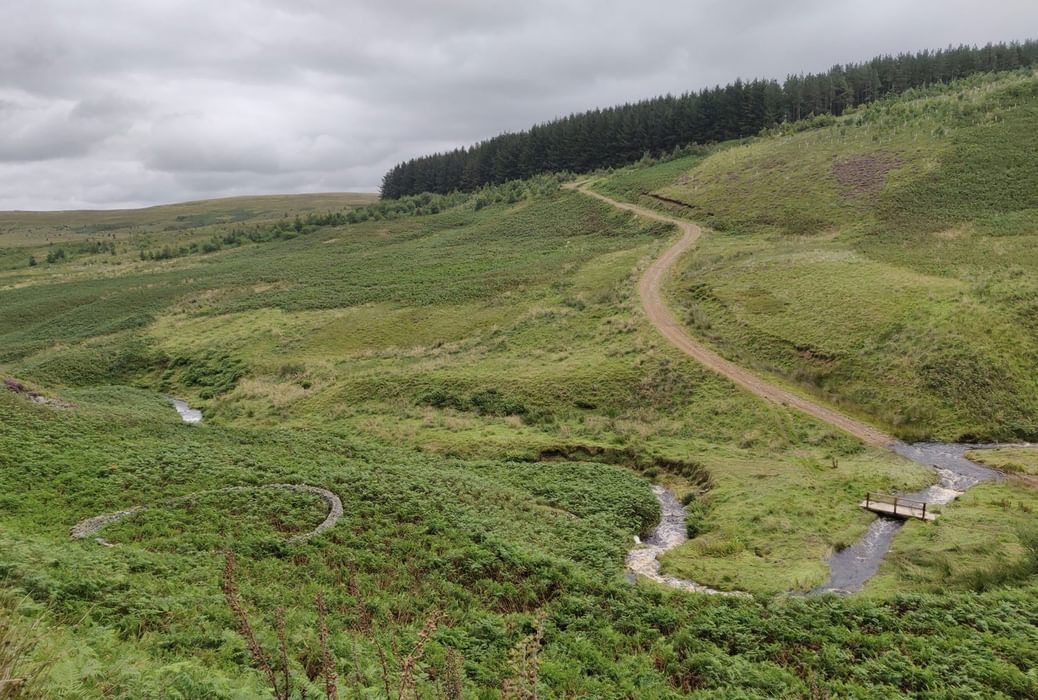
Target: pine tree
<point x="623" y="134"/>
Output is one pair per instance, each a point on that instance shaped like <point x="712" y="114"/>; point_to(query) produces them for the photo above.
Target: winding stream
<point x="670" y="533"/>
<point x="850" y="568"/>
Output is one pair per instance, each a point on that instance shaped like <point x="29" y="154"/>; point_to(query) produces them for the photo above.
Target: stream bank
<point x="849" y="568"/>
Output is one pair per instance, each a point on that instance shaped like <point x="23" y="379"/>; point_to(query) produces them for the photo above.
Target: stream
<point x="670" y="533"/>
<point x="850" y="568"/>
<point x="189" y="415"/>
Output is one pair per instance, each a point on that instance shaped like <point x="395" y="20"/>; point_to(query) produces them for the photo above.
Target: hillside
<point x="883" y="261"/>
<point x="473" y="376"/>
<point x="671" y="124"/>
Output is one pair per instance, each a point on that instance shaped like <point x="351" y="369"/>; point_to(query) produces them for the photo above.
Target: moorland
<point x="473" y="374"/>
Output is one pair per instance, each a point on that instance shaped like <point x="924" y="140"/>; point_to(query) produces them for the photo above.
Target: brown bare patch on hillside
<point x="16" y="387"/>
<point x="863" y="176"/>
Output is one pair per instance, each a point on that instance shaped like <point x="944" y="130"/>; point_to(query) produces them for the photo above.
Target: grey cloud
<point x="44" y="130"/>
<point x="119" y="102"/>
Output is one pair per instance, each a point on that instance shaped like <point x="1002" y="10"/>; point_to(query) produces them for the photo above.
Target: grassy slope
<point x="482" y="540"/>
<point x="884" y="263"/>
<point x="478" y="337"/>
<point x="504" y="332"/>
<point x="486" y="541"/>
<point x="909" y="302"/>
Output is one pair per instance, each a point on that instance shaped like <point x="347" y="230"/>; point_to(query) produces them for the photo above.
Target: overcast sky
<point x="114" y="103"/>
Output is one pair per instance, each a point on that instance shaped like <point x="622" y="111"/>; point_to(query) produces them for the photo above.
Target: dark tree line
<point x="620" y="135"/>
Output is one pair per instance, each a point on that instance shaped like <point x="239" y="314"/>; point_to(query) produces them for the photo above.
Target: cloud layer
<point x="124" y="103"/>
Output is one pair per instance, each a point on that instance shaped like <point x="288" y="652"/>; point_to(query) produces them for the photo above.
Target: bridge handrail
<point x="895" y="500"/>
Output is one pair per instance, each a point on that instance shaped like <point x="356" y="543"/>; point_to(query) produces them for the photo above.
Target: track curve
<point x="92" y="526"/>
<point x="851" y="568"/>
<point x="659" y="314"/>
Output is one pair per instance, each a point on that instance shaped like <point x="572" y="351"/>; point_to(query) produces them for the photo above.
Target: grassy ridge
<point x="29" y="229"/>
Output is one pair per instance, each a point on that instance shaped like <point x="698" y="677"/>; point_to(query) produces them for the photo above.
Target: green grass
<point x="884" y="263"/>
<point x="416" y="527"/>
<point x="1016" y="460"/>
<point x="635" y="181"/>
<point x="541" y="369"/>
<point x="985" y="539"/>
<point x="487" y="541"/>
<point x="771" y="524"/>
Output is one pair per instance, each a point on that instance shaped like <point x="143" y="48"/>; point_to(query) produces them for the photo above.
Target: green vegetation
<point x="1015" y="460"/>
<point x="615" y="136"/>
<point x="770" y="527"/>
<point x="472" y="376"/>
<point x="881" y="262"/>
<point x="103" y="242"/>
<point x="487" y="542"/>
<point x="983" y="540"/>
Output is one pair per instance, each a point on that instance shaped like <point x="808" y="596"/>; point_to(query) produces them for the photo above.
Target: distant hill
<point x="619" y="135"/>
<point x="59" y="224"/>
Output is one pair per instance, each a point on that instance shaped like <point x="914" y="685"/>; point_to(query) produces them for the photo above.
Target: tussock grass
<point x="1010" y="459"/>
<point x="983" y="540"/>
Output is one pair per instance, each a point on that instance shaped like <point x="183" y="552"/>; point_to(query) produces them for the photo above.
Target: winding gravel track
<point x="649" y="290"/>
<point x="848" y="569"/>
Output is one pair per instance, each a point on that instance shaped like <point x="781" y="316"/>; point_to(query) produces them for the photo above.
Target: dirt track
<point x="91" y="526"/>
<point x="661" y="317"/>
<point x="853" y="566"/>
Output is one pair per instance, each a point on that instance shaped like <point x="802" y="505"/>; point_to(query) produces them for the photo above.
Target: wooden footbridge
<point x="897" y="507"/>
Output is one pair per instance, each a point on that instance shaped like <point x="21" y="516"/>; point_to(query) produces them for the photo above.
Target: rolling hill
<point x="883" y="261"/>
